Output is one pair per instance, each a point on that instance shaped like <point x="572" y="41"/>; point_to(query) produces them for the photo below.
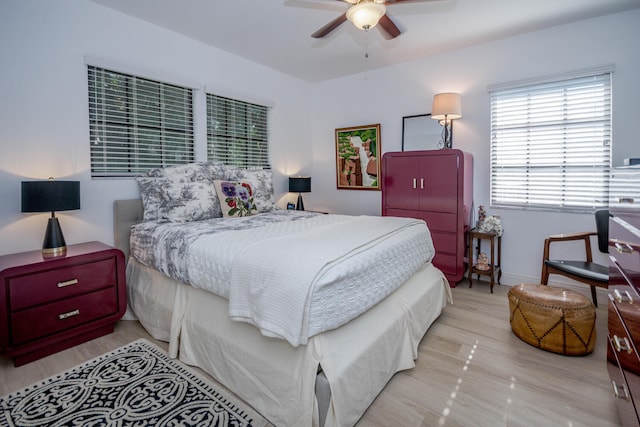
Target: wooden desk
<point x="494" y="271"/>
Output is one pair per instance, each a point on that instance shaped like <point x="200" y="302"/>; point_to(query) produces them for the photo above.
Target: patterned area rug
<point x="135" y="385"/>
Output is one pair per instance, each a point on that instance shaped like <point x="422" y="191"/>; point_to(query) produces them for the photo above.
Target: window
<point x="137" y="124"/>
<point x="237" y="133"/>
<point x="551" y="143"/>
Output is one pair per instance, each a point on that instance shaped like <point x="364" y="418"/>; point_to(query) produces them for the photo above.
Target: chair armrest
<point x="571" y="236"/>
<point x="567" y="237"/>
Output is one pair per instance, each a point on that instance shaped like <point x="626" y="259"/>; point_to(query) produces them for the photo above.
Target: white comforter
<point x="277" y="300"/>
<point x="328" y="270"/>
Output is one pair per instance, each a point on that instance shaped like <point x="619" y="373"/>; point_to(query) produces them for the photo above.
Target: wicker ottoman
<point x="553" y="319"/>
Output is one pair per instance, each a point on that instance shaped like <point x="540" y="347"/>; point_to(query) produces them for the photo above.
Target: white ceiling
<point x="276" y="33"/>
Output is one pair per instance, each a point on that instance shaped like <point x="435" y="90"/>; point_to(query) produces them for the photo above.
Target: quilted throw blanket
<point x="277" y="300"/>
<point x="165" y="246"/>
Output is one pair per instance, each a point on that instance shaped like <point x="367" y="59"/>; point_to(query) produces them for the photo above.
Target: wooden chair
<point x="586" y="271"/>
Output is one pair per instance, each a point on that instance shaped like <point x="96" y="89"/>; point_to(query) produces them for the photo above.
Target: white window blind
<point x="137" y="124"/>
<point x="551" y="144"/>
<point x="237" y="133"/>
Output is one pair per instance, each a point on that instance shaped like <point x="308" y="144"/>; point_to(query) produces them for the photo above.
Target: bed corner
<point x="125" y="214"/>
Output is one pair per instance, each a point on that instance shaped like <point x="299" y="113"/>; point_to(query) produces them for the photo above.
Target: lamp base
<point x="53" y="244"/>
<point x="448" y="135"/>
<point x="300" y="205"/>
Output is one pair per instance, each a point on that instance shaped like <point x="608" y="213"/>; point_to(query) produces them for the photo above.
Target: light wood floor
<point x="471" y="371"/>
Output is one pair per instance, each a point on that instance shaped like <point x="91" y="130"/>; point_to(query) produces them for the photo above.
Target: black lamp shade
<point x="50" y="196"/>
<point x="299" y="184"/>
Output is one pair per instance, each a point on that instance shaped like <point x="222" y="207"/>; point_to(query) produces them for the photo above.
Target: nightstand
<point x="50" y="304"/>
<point x="493" y="271"/>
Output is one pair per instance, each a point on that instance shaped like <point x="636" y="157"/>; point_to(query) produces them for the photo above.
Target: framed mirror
<point x="421" y="132"/>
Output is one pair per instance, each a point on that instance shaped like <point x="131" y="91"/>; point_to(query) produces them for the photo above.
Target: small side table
<point x="494" y="271"/>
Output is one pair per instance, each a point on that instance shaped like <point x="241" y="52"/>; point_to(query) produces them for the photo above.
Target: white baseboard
<point x="554" y="280"/>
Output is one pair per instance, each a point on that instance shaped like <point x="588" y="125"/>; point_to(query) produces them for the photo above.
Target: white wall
<point x="44" y="118"/>
<point x="385" y="96"/>
<point x="43" y="106"/>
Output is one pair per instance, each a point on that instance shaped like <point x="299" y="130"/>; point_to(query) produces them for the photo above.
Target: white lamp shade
<point x="366" y="15"/>
<point x="446" y="105"/>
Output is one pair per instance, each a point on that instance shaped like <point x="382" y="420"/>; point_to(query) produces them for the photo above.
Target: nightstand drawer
<point x="55" y="317"/>
<point x="51" y="285"/>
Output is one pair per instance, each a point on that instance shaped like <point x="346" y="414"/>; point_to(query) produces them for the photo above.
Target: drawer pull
<point x="415" y="183"/>
<point x="422" y="183"/>
<point x="623" y="248"/>
<point x="622" y="344"/>
<point x="67" y="283"/>
<point x="627" y="298"/>
<point x="68" y="314"/>
<point x="626" y="200"/>
<point x="616" y="391"/>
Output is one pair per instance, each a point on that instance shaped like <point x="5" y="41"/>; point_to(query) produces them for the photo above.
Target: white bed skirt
<point x="279" y="380"/>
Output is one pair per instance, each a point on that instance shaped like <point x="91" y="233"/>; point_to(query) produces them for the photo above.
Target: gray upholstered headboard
<point x="125" y="214"/>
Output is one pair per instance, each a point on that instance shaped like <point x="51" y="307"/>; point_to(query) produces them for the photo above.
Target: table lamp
<point x="299" y="184"/>
<point x="446" y="108"/>
<point x="51" y="196"/>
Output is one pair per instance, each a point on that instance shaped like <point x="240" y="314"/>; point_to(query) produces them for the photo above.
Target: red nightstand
<point x="48" y="305"/>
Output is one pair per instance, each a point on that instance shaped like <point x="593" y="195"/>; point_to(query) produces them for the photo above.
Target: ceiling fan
<point x="365" y="14"/>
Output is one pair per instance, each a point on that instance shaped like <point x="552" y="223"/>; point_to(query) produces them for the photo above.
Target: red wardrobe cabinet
<point x="50" y="304"/>
<point x="436" y="186"/>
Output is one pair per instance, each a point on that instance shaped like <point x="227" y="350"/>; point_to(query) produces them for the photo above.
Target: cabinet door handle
<point x="422" y="183"/>
<point x="623" y="248"/>
<point x="620" y="298"/>
<point x="616" y="391"/>
<point x="67" y="283"/>
<point x="622" y="344"/>
<point x="415" y="183"/>
<point x="68" y="314"/>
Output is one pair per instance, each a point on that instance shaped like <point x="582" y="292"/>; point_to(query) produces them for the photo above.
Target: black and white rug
<point x="135" y="385"/>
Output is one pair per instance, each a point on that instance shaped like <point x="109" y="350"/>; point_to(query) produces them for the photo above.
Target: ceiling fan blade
<point x="389" y="27"/>
<point x="329" y="27"/>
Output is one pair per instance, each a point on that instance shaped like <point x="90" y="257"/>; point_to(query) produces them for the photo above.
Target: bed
<point x="323" y="362"/>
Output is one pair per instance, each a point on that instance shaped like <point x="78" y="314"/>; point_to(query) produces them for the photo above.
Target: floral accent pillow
<point x="236" y="198"/>
<point x="188" y="201"/>
<point x="261" y="181"/>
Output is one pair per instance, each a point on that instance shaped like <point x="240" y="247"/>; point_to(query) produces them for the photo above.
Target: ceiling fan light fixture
<point x="365" y="15"/>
